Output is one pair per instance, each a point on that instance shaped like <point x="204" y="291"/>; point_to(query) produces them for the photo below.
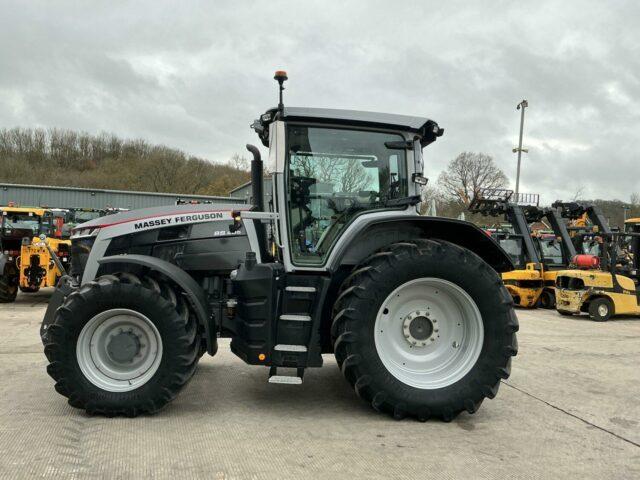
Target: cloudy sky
<point x="193" y="75"/>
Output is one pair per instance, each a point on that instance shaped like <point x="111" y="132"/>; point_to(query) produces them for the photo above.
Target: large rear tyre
<point x="8" y="288"/>
<point x="424" y="329"/>
<point x="122" y="346"/>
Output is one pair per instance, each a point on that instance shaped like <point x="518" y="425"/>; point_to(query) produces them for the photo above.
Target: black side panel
<point x="256" y="290"/>
<point x="383" y="231"/>
<point x="210" y="254"/>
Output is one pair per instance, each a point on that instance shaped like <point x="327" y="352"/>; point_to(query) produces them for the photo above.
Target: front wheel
<point x="122" y="345"/>
<point x="601" y="309"/>
<point x="8" y="288"/>
<point x="548" y="299"/>
<point x="425" y="329"/>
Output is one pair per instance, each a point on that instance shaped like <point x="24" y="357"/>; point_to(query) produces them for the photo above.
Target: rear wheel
<point x="548" y="299"/>
<point x="8" y="288"/>
<point x="601" y="309"/>
<point x="424" y="329"/>
<point x="122" y="346"/>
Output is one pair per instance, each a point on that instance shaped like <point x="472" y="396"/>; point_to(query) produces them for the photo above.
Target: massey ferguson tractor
<point x="412" y="307"/>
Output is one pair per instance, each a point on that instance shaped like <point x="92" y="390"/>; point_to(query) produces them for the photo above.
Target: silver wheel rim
<point x="119" y="350"/>
<point x="432" y="353"/>
<point x="603" y="310"/>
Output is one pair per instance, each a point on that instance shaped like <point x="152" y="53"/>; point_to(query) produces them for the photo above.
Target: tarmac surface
<point x="571" y="409"/>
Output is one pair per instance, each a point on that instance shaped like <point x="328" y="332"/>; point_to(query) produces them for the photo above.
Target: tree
<point x="68" y="158"/>
<point x="344" y="174"/>
<point x="468" y="174"/>
<point x="239" y="162"/>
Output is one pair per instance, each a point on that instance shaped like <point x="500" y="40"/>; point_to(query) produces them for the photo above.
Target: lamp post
<point x="521" y="106"/>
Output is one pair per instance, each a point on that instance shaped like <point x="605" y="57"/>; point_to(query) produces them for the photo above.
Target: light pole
<point x="521" y="106"/>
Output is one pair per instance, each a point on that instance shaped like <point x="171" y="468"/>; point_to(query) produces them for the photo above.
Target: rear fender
<point x="195" y="293"/>
<point x="366" y="239"/>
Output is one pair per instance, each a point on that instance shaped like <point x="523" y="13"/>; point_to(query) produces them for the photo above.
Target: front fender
<point x="193" y="290"/>
<point x="370" y="236"/>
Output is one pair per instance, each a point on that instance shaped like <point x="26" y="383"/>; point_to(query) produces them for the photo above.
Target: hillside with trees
<point x="69" y="158"/>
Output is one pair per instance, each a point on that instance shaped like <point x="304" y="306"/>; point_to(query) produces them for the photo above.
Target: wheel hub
<point x="428" y="333"/>
<point x="123" y="346"/>
<point x="418" y="329"/>
<point x="119" y="350"/>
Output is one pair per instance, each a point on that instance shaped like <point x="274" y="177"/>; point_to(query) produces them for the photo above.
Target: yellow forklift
<point x="586" y="224"/>
<point x="30" y="256"/>
<point x="526" y="282"/>
<point x="604" y="286"/>
<point x="556" y="250"/>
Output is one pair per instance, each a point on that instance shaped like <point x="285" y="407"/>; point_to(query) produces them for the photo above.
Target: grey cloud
<point x="193" y="75"/>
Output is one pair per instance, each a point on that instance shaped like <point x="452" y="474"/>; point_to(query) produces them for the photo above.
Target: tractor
<point x="412" y="307"/>
<point x="30" y="256"/>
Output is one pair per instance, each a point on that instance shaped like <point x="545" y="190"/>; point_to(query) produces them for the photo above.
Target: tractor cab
<point x="331" y="167"/>
<point x="20" y="222"/>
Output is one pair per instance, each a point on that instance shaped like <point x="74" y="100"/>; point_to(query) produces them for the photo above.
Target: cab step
<point x="286" y="379"/>
<point x="295" y="318"/>
<point x="294" y="288"/>
<point x="290" y="348"/>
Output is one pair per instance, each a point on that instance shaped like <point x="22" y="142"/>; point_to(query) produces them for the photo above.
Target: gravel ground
<point x="570" y="410"/>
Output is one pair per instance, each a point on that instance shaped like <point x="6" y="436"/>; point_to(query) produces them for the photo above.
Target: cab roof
<point x="426" y="129"/>
<point x="35" y="210"/>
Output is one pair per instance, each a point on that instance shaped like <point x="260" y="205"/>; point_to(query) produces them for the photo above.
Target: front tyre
<point x="601" y="309"/>
<point x="547" y="299"/>
<point x="122" y="346"/>
<point x="8" y="288"/>
<point x="424" y="329"/>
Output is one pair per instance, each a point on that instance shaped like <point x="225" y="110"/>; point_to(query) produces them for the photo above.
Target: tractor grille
<point x="80" y="249"/>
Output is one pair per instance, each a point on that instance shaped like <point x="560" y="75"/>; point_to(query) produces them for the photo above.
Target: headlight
<point x="84" y="233"/>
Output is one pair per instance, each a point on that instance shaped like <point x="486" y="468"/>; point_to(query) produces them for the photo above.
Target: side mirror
<point x="419" y="179"/>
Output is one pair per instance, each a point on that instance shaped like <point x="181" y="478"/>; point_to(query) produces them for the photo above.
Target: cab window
<point x="334" y="175"/>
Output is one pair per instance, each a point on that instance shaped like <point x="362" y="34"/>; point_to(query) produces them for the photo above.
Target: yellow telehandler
<point x="30" y="256"/>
